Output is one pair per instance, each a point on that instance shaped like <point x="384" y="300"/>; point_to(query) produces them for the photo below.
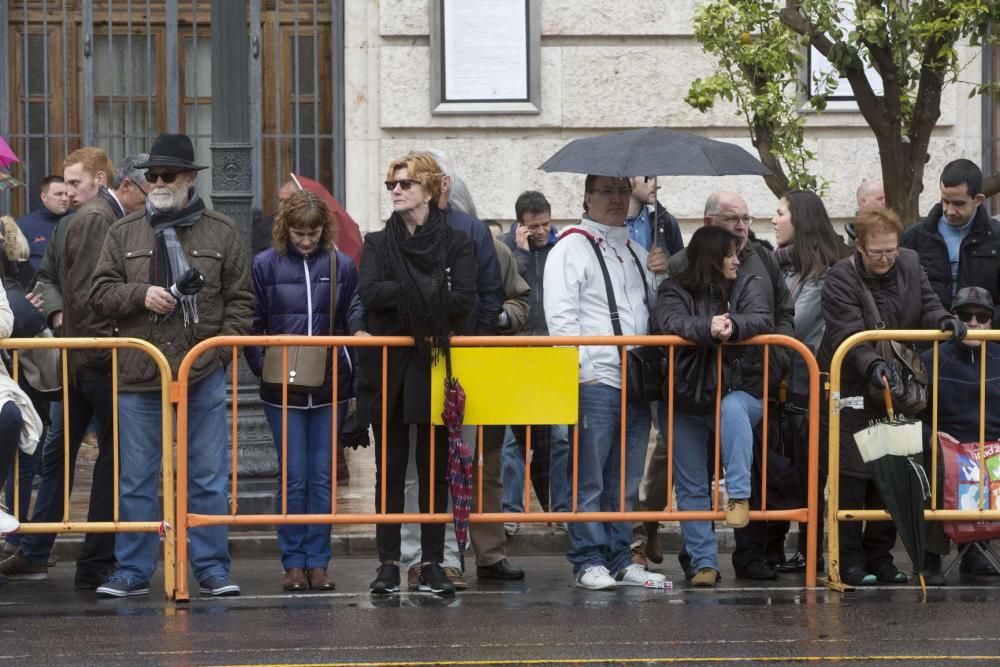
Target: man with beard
<point x="173" y="274"/>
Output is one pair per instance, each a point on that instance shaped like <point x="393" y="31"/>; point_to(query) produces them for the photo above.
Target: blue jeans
<point x="560" y="493"/>
<point x="740" y="413"/>
<point x="310" y="456"/>
<point x="606" y="543"/>
<point x="208" y="472"/>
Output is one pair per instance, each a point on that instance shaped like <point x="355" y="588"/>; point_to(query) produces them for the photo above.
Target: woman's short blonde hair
<point x="423" y="169"/>
<point x="303" y="210"/>
<point x="876" y="221"/>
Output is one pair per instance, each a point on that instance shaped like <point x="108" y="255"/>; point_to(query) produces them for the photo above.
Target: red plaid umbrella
<point x="459" y="457"/>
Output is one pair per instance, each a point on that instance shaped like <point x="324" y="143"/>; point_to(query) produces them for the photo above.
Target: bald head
<point x="871" y="194"/>
<point x="729" y="210"/>
<point x="286" y="191"/>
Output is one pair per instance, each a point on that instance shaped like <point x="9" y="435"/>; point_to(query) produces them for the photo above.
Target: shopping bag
<point x="962" y="471"/>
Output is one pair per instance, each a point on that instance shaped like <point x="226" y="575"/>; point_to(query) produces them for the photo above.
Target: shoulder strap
<point x="612" y="303"/>
<point x="333" y="289"/>
<point x="869" y="299"/>
<point x="642" y="273"/>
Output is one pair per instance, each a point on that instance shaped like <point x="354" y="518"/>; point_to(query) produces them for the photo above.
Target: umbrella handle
<point x="887" y="396"/>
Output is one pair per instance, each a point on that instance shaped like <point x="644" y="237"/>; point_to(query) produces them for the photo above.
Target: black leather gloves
<point x="189" y="283"/>
<point x="879" y="372"/>
<point x="955" y="326"/>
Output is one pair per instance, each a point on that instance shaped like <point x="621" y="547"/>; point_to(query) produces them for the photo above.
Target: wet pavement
<point x="543" y="619"/>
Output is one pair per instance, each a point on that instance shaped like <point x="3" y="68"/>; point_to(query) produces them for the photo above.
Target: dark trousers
<point x="89" y="398"/>
<point x="387" y="536"/>
<point x="870" y="546"/>
<point x="541" y="445"/>
<point x="10" y="437"/>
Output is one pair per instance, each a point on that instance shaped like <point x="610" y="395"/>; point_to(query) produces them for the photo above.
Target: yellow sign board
<point x="512" y="385"/>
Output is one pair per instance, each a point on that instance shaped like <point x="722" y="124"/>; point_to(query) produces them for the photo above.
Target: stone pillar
<point x="232" y="195"/>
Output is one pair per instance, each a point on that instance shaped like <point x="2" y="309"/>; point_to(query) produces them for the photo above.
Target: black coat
<point x="408" y="372"/>
<point x="680" y="313"/>
<point x="978" y="257"/>
<point x="905" y="300"/>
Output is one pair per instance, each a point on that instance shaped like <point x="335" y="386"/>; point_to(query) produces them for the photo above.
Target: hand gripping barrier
<point x="163" y="526"/>
<point x="835" y="513"/>
<point x="488" y="365"/>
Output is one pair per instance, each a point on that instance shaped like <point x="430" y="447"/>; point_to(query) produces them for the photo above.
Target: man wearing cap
<point x="174" y="274"/>
<point x="958" y="412"/>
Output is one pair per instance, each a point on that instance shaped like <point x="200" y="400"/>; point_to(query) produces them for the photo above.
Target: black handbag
<point x="647" y="364"/>
<point x="695" y="380"/>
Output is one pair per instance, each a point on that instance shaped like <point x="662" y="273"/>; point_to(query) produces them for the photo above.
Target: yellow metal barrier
<point x="68" y="525"/>
<point x="486" y="360"/>
<point x="834" y="512"/>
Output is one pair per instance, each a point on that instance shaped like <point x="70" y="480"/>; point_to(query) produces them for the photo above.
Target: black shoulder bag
<point x="647" y="364"/>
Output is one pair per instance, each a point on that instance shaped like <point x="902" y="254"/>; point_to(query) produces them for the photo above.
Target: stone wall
<point x="604" y="66"/>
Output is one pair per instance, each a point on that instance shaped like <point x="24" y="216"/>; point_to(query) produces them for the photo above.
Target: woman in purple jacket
<point x="292" y="283"/>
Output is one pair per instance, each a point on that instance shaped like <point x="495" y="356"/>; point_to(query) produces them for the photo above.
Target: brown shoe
<point x="654" y="550"/>
<point x="413" y="577"/>
<point x="295" y="579"/>
<point x="456" y="578"/>
<point x="318" y="579"/>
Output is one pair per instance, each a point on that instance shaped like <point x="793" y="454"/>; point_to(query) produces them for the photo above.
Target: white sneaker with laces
<point x="8" y="523"/>
<point x="596" y="578"/>
<point x="637" y="575"/>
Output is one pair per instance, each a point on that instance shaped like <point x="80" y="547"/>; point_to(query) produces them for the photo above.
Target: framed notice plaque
<point x="485" y="56"/>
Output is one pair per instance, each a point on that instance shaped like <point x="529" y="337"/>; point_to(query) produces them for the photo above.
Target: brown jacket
<point x="225" y="303"/>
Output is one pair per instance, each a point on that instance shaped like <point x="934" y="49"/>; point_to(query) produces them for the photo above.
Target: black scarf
<point x="160" y="271"/>
<point x="419" y="263"/>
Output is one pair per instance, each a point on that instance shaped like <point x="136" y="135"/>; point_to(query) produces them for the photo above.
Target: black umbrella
<point x="893" y="454"/>
<point x="654" y="151"/>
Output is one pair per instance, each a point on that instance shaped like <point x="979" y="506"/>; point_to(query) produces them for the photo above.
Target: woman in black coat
<point x="418" y="278"/>
<point x="709" y="303"/>
<point x="905" y="300"/>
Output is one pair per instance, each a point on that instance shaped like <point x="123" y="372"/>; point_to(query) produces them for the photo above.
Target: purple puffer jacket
<point x="293" y="297"/>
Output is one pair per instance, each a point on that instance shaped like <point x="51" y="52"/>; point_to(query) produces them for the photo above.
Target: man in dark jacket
<point x="651" y="225"/>
<point x="730" y="211"/>
<point x="174" y="274"/>
<point x="958" y="385"/>
<point x="530" y="239"/>
<point x="958" y="243"/>
<point x="73" y="254"/>
<point x="38" y="225"/>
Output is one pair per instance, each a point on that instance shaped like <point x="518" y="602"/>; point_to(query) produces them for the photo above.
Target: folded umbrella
<point x="459" y="456"/>
<point x="892" y="450"/>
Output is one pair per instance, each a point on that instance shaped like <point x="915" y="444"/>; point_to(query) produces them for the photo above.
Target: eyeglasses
<point x="403" y="183"/>
<point x="882" y="254"/>
<point x="167" y="176"/>
<point x="981" y="316"/>
<point x="733" y="219"/>
<point x="612" y="192"/>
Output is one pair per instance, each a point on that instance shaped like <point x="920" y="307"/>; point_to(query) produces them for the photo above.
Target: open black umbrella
<point x="893" y="454"/>
<point x="654" y="151"/>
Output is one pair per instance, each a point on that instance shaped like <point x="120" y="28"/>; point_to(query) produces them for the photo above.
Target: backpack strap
<point x="612" y="303"/>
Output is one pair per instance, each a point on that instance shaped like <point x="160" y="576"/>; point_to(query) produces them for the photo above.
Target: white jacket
<point x="31" y="424"/>
<point x="576" y="301"/>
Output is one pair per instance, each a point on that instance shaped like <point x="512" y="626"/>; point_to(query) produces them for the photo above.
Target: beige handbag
<point x="306" y="365"/>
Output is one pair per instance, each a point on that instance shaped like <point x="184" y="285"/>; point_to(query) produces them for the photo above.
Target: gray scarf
<point x="169" y="261"/>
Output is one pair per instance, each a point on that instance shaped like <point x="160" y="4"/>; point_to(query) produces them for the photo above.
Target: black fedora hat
<point x="174" y="151"/>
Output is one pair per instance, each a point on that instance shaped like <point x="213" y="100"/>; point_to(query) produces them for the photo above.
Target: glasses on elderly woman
<point x="876" y="255"/>
<point x="403" y="183"/>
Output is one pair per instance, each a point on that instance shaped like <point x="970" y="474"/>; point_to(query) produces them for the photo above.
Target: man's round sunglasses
<point x="981" y="316"/>
<point x="166" y="176"/>
<point x="403" y="183"/>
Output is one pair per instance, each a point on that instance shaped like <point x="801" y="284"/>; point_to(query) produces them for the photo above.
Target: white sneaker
<point x="8" y="523"/>
<point x="637" y="575"/>
<point x="596" y="578"/>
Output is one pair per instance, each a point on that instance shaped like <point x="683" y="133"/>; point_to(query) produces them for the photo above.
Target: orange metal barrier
<point x="187" y="520"/>
<point x="835" y="513"/>
<point x="68" y="525"/>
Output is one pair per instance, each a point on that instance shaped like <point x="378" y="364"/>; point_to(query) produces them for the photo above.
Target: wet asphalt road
<point x="541" y="619"/>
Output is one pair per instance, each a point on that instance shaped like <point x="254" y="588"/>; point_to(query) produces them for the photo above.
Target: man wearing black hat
<point x="958" y="386"/>
<point x="175" y="275"/>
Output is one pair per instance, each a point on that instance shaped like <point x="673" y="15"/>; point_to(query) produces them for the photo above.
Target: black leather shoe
<point x="501" y="569"/>
<point x="933" y="574"/>
<point x="757" y="570"/>
<point x="86" y="580"/>
<point x="974" y="562"/>
<point x="797" y="563"/>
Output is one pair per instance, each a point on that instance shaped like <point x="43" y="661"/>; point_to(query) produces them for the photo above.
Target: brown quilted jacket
<point x="225" y="303"/>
